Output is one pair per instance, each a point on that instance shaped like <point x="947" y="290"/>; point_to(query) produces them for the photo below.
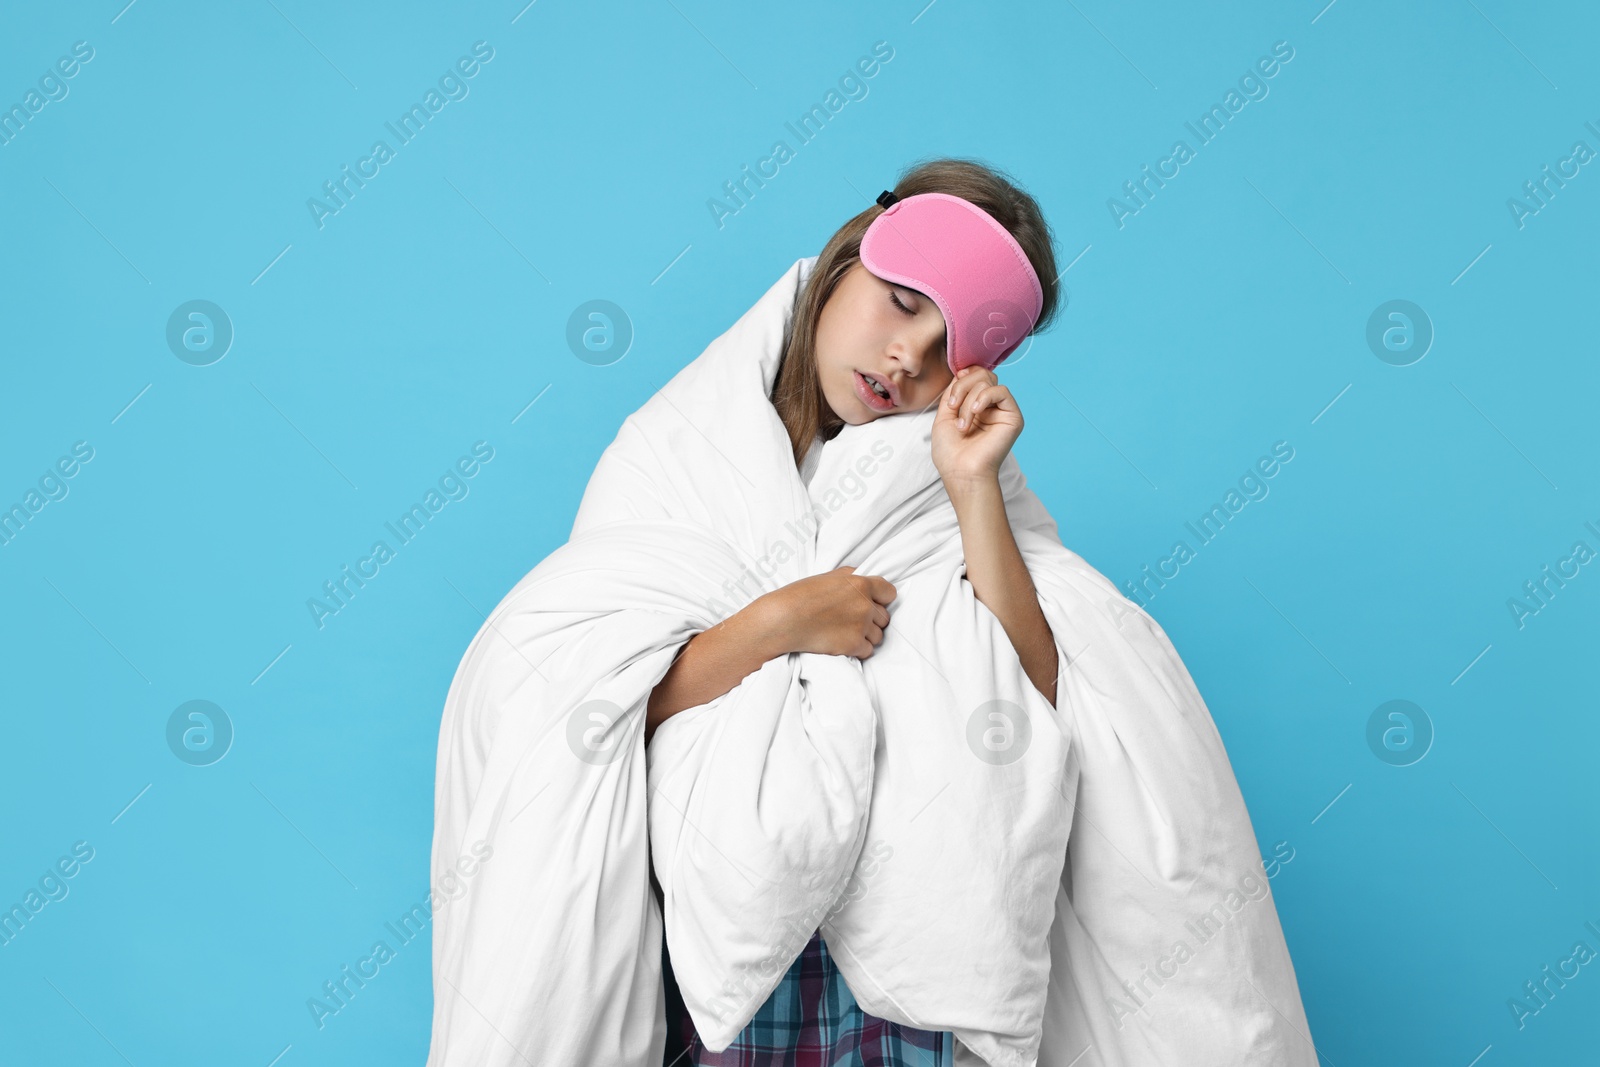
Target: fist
<point x="837" y="613"/>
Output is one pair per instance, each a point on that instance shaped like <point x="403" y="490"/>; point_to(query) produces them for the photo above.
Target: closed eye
<point x="895" y="300"/>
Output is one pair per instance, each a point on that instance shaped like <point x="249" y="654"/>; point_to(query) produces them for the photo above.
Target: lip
<point x="872" y="399"/>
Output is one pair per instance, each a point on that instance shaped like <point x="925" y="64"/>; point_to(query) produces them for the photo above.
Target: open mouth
<point x="874" y="392"/>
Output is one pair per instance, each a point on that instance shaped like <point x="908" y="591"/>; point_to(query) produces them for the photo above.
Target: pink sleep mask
<point x="956" y="253"/>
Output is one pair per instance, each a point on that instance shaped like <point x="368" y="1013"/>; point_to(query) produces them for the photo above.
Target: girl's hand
<point x="837" y="613"/>
<point x="977" y="423"/>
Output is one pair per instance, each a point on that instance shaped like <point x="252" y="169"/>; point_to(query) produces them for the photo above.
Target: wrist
<point x="765" y="624"/>
<point x="962" y="488"/>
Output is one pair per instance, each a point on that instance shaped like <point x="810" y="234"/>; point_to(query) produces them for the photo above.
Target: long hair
<point x="797" y="393"/>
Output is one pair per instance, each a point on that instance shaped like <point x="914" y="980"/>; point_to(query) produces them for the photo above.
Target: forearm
<point x="710" y="664"/>
<point x="1000" y="578"/>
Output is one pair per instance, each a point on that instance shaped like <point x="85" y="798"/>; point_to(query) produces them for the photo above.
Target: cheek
<point x="832" y="375"/>
<point x="828" y="355"/>
<point x="832" y="371"/>
<point x="935" y="387"/>
<point x="831" y="336"/>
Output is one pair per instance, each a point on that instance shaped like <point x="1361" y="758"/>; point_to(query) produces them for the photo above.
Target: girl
<point x="863" y="347"/>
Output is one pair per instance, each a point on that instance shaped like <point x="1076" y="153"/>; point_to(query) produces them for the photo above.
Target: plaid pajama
<point x="810" y="1020"/>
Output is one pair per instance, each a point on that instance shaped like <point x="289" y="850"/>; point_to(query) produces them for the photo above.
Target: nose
<point x="913" y="351"/>
<point x="908" y="358"/>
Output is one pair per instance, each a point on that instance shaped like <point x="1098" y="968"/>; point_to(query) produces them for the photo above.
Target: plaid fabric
<point x="810" y="1020"/>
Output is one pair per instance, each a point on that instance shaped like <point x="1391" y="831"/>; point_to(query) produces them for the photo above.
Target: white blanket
<point x="977" y="860"/>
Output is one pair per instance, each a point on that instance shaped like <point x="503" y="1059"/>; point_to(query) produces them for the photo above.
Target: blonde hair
<point x="797" y="392"/>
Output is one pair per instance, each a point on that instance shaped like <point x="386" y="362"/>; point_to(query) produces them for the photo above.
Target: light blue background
<point x="1225" y="316"/>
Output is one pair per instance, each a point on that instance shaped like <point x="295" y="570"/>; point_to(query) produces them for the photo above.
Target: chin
<point x="848" y="409"/>
<point x="852" y="420"/>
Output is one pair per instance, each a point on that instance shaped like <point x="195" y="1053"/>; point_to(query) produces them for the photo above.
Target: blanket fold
<point x="978" y="861"/>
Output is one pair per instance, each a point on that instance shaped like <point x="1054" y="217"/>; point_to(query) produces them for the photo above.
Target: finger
<point x="871" y="591"/>
<point x="964" y="384"/>
<point x="961" y="385"/>
<point x="950" y="397"/>
<point x="992" y="397"/>
<point x="880" y="615"/>
<point x="966" y="415"/>
<point x="875" y="635"/>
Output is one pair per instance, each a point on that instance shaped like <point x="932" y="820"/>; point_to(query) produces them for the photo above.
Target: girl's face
<point x="872" y="331"/>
